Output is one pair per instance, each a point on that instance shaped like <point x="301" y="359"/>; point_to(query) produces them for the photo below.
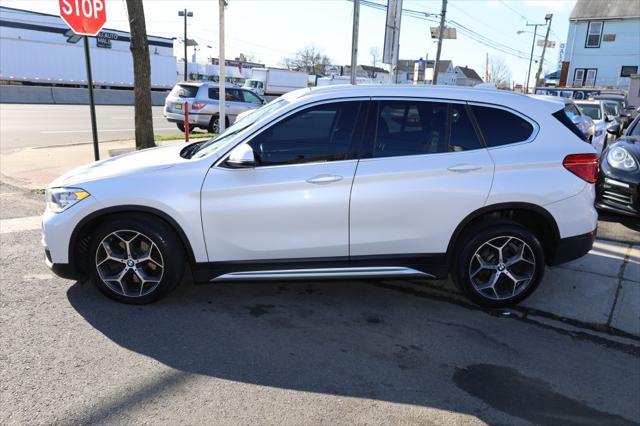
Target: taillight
<point x="585" y="166"/>
<point x="197" y="105"/>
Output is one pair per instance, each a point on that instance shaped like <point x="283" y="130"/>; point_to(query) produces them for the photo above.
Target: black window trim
<point x="534" y="124"/>
<point x="586" y="39"/>
<point x="351" y="155"/>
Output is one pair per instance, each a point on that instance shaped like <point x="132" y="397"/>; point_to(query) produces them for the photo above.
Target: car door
<point x="234" y="103"/>
<point x="295" y="202"/>
<point x="422" y="171"/>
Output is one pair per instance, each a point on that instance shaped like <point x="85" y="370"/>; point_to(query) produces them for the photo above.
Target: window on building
<point x="627" y="70"/>
<point x="584" y="77"/>
<point x="594" y="34"/>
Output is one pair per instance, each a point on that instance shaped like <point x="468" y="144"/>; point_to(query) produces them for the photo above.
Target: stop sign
<point x="84" y="17"/>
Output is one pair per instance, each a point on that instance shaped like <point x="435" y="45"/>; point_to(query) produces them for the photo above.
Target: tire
<point x="143" y="255"/>
<point x="514" y="281"/>
<point x="180" y="126"/>
<point x="214" y="125"/>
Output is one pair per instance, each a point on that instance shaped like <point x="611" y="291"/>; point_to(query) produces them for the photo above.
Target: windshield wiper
<point x="188" y="151"/>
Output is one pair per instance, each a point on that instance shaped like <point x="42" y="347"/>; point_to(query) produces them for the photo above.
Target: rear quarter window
<point x="562" y="117"/>
<point x="184" y="91"/>
<point x="500" y="127"/>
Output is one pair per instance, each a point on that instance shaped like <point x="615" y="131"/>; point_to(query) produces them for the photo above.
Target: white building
<point x="466" y="76"/>
<point x="34" y="49"/>
<point x="603" y="43"/>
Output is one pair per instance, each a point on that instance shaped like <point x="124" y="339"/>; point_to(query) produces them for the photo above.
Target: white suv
<point x="335" y="182"/>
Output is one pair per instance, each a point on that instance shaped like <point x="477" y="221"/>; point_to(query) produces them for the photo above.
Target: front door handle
<point x="463" y="168"/>
<point x="324" y="179"/>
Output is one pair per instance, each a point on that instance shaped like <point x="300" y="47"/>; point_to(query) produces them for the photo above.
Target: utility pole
<point x="440" y="35"/>
<point x="222" y="68"/>
<point x="486" y="69"/>
<point x="186" y="14"/>
<point x="533" y="45"/>
<point x="354" y="40"/>
<point x="547" y="18"/>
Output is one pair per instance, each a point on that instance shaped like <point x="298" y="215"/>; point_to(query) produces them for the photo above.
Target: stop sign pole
<point x="86" y="18"/>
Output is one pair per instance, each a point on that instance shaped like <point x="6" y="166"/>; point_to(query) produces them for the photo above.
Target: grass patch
<point x="194" y="135"/>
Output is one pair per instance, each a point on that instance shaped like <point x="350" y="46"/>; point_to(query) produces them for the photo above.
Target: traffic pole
<point x="186" y="121"/>
<point x="222" y="63"/>
<point x="92" y="104"/>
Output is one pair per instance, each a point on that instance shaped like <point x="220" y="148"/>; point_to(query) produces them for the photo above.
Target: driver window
<point x="317" y="134"/>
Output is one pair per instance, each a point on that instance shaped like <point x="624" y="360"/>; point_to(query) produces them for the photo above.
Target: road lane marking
<point x="51" y="132"/>
<point x="20" y="224"/>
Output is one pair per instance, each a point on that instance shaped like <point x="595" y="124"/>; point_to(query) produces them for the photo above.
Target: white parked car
<point x="338" y="182"/>
<point x="596" y="110"/>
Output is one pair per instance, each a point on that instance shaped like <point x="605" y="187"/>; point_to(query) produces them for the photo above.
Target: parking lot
<point x="375" y="351"/>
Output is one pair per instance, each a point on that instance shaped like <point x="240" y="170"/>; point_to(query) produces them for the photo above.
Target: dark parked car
<point x="618" y="187"/>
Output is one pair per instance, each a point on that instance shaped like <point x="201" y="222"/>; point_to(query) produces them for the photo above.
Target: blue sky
<point x="273" y="29"/>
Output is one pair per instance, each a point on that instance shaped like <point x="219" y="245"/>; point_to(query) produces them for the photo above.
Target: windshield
<point x="635" y="132"/>
<point x="592" y="110"/>
<point x="214" y="144"/>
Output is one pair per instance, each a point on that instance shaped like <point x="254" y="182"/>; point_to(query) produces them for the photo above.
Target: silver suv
<point x="202" y="100"/>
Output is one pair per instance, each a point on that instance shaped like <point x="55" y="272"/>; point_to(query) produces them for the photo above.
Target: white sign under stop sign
<point x="84" y="16"/>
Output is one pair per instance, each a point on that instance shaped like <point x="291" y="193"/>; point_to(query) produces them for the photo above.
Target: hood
<point x="135" y="162"/>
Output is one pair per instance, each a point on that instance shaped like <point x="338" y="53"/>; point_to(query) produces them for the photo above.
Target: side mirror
<point x="610" y="118"/>
<point x="614" y="129"/>
<point x="241" y="157"/>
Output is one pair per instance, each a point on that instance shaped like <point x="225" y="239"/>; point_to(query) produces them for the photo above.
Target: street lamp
<point x="533" y="44"/>
<point x="187" y="14"/>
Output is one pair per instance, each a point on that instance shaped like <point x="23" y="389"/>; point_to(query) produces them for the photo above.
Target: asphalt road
<point x="24" y="126"/>
<point x="359" y="352"/>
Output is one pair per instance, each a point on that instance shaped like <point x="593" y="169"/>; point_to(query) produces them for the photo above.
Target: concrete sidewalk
<point x="600" y="291"/>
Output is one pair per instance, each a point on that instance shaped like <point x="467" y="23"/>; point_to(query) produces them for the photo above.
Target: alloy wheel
<point x="502" y="268"/>
<point x="129" y="263"/>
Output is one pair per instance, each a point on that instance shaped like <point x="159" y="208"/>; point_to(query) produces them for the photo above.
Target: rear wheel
<point x="136" y="259"/>
<point x="214" y="124"/>
<point x="181" y="127"/>
<point x="499" y="265"/>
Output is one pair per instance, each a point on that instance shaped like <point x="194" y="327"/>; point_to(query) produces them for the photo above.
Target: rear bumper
<point x="195" y="119"/>
<point x="568" y="249"/>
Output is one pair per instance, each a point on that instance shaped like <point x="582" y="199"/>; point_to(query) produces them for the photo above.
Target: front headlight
<point x="619" y="158"/>
<point x="60" y="199"/>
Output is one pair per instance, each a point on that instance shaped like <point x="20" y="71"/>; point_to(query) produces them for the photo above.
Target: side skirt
<point x="411" y="265"/>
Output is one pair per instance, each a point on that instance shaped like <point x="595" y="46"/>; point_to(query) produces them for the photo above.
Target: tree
<point x="308" y="59"/>
<point x="374" y="52"/>
<point x="139" y="47"/>
<point x="499" y="73"/>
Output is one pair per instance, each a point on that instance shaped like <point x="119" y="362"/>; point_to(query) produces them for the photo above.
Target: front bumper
<point x="618" y="191"/>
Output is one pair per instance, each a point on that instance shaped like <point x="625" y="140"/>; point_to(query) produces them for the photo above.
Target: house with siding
<point x="603" y="44"/>
<point x="466" y="76"/>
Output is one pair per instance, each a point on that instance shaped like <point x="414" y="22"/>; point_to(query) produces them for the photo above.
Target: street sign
<point x="550" y="43"/>
<point x="448" y="33"/>
<point x="392" y="32"/>
<point x="86" y="17"/>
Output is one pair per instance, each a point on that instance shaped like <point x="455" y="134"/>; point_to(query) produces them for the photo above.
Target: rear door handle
<point x="324" y="179"/>
<point x="463" y="168"/>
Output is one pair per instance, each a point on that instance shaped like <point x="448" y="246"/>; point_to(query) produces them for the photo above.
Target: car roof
<point x="490" y="96"/>
<point x="587" y="102"/>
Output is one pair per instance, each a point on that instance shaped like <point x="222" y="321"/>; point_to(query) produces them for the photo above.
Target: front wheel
<point x="136" y="259"/>
<point x="499" y="265"/>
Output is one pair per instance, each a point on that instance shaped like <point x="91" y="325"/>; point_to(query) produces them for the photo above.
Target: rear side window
<point x="419" y="127"/>
<point x="500" y="127"/>
<point x="231" y="95"/>
<point x="184" y="91"/>
<point x="561" y="116"/>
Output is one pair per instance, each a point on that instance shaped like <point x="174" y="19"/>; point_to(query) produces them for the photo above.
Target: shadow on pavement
<point x="351" y="339"/>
